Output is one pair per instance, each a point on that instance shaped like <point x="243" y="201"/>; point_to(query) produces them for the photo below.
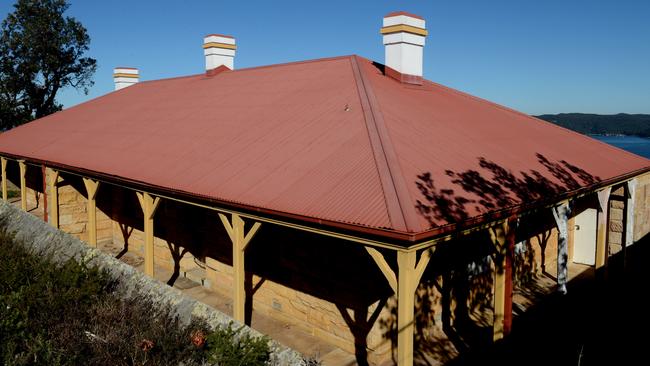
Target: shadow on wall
<point x="33" y="181"/>
<point x="328" y="269"/>
<point x="599" y="322"/>
<point x="454" y="302"/>
<point x="332" y="270"/>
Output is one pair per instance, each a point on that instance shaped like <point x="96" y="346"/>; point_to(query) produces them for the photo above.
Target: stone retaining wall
<point x="40" y="238"/>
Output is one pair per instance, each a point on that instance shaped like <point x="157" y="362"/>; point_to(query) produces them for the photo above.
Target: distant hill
<point x="603" y="124"/>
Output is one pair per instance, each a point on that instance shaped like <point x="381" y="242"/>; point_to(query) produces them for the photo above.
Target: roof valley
<point x="395" y="191"/>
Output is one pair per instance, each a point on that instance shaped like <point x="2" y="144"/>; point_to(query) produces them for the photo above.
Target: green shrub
<point x="227" y="346"/>
<point x="70" y="315"/>
<point x="40" y="300"/>
<point x="138" y="332"/>
<point x="12" y="193"/>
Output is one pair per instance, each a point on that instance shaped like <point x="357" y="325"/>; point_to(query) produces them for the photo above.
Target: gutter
<point x="376" y="237"/>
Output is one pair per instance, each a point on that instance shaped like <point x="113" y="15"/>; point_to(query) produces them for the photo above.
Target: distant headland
<point x="603" y="124"/>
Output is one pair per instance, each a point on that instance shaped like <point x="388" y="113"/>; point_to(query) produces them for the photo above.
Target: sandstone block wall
<point x="73" y="210"/>
<point x="617" y="214"/>
<point x="293" y="281"/>
<point x="194" y="240"/>
<point x="616" y="224"/>
<point x="642" y="207"/>
<point x="320" y="284"/>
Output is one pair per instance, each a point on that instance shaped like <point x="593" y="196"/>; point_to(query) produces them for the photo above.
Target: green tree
<point x="41" y="52"/>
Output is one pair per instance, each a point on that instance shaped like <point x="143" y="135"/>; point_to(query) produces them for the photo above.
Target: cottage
<point x="355" y="199"/>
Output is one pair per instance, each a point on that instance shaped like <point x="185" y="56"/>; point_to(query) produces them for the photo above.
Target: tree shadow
<point x="459" y="282"/>
<point x="453" y="302"/>
<point x="360" y="323"/>
<point x="177" y="252"/>
<point x="598" y="322"/>
<point x="126" y="231"/>
<point x="250" y="291"/>
<point x="494" y="187"/>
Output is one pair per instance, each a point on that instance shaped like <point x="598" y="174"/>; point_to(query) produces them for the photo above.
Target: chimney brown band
<point x="122" y="75"/>
<point x="404" y="28"/>
<point x="219" y="45"/>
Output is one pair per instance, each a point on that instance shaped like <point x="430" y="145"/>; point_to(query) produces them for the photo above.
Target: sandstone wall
<point x="642" y="207"/>
<point x="617" y="214"/>
<point x="616" y="224"/>
<point x="323" y="285"/>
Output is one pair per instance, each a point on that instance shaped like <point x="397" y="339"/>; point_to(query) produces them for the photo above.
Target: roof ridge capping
<point x="396" y="194"/>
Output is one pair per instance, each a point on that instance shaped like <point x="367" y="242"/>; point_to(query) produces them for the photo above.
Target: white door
<point x="584" y="245"/>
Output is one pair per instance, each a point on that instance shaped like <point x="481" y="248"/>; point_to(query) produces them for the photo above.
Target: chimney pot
<point x="403" y="38"/>
<point x="219" y="50"/>
<point x="125" y="76"/>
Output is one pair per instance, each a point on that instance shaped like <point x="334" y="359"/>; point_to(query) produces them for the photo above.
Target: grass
<point x="70" y="315"/>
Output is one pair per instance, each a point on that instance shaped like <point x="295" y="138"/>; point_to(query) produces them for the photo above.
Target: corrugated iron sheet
<point x="295" y="139"/>
<point x="483" y="157"/>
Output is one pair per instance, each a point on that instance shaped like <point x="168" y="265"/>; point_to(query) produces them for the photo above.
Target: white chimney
<point x="404" y="35"/>
<point x="219" y="50"/>
<point x="125" y="76"/>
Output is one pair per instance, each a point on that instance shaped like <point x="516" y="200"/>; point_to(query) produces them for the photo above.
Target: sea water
<point x="633" y="144"/>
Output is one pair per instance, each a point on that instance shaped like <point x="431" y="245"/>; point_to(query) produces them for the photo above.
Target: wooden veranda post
<point x="4" y="179"/>
<point x="91" y="191"/>
<point x="601" y="238"/>
<point x="561" y="213"/>
<point x="498" y="236"/>
<point x="630" y="210"/>
<point x="240" y="239"/>
<point x="45" y="199"/>
<point x="23" y="184"/>
<point x="53" y="178"/>
<point x="630" y="203"/>
<point x="503" y="238"/>
<point x="408" y="277"/>
<point x="149" y="206"/>
<point x="405" y="307"/>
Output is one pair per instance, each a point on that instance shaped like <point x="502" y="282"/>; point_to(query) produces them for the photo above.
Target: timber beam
<point x="149" y="205"/>
<point x="23" y="184"/>
<point x="384" y="267"/>
<point x="4" y="179"/>
<point x="629" y="212"/>
<point x="561" y="215"/>
<point x="240" y="240"/>
<point x="53" y="181"/>
<point x="409" y="274"/>
<point x="601" y="238"/>
<point x="503" y="238"/>
<point x="91" y="191"/>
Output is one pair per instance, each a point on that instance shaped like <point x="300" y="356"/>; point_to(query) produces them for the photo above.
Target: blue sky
<point x="536" y="56"/>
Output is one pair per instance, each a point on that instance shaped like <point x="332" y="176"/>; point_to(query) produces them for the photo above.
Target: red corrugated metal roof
<point x="331" y="139"/>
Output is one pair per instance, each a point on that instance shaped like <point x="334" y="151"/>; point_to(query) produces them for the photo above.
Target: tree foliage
<point x="41" y="52"/>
